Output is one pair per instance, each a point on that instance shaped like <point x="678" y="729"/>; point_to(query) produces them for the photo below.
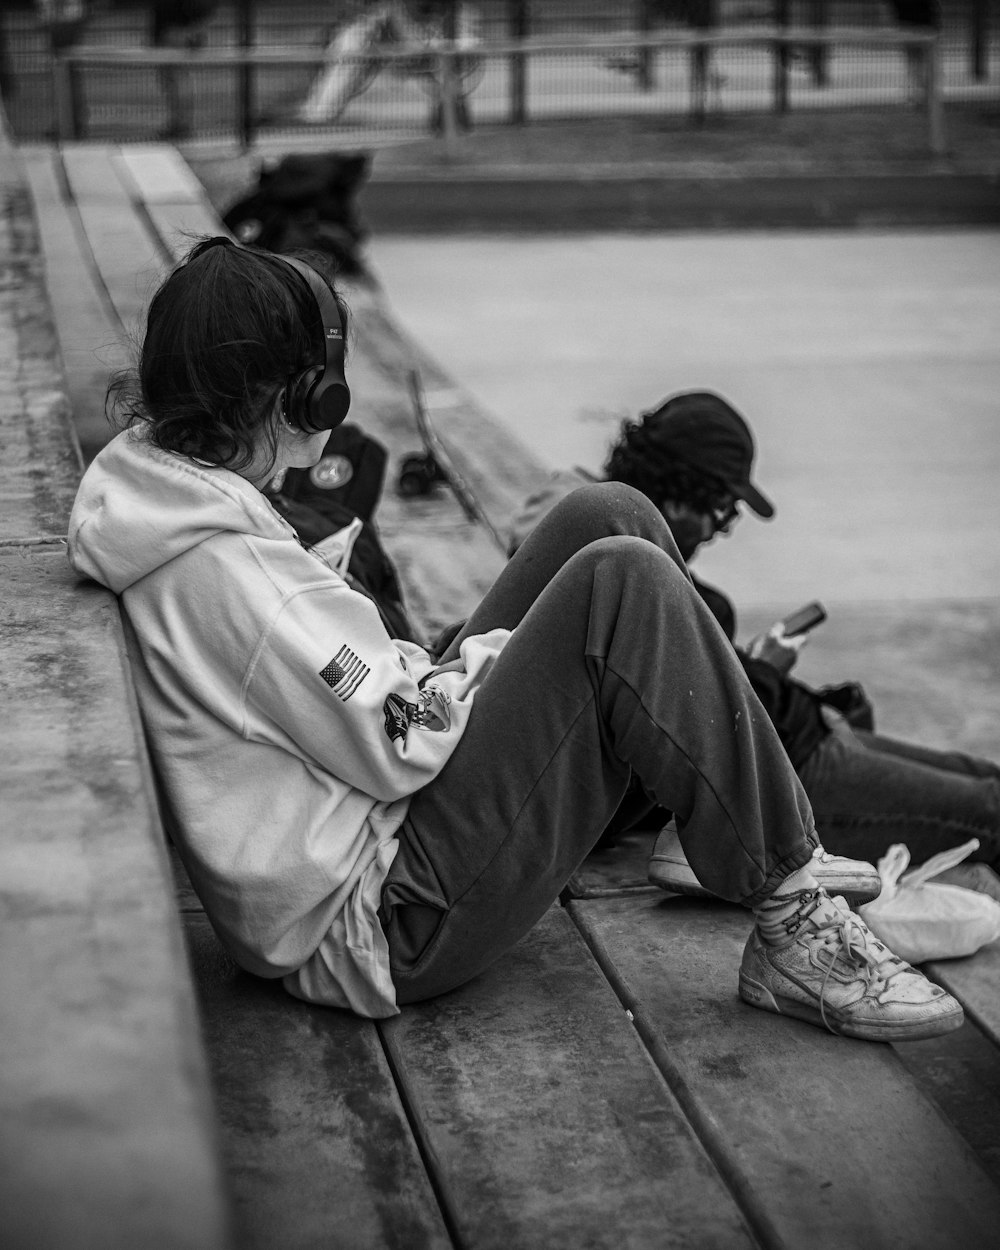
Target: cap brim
<point x="752" y="496"/>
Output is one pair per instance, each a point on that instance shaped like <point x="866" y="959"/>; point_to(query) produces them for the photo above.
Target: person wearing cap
<point x="693" y="457"/>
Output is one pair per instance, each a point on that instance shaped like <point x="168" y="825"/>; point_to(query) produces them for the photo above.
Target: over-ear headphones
<point x="318" y="398"/>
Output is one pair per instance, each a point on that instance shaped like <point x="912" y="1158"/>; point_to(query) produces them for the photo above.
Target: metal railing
<point x="449" y="75"/>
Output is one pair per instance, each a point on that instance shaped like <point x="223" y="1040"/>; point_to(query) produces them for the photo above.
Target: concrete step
<point x="107" y="1132"/>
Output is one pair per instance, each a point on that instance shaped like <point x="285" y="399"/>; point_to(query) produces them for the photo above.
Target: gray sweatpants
<point x="615" y="668"/>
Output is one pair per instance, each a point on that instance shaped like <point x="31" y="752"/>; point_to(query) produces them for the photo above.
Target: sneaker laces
<point x="845" y="934"/>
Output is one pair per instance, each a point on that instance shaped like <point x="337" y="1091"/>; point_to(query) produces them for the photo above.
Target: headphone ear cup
<point x="298" y="389"/>
<point x="319" y="398"/>
<point x="329" y="402"/>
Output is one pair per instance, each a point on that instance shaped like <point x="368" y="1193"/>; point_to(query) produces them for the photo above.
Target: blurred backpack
<point x="306" y="202"/>
<point x="337" y="498"/>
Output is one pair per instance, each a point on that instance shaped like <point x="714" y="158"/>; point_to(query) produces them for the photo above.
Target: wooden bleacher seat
<point x="601" y="1085"/>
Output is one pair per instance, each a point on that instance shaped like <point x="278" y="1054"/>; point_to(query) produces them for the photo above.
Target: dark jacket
<point x="793" y="708"/>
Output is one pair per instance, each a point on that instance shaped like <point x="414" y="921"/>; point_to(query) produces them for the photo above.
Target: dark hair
<point x="638" y="459"/>
<point x="224" y="332"/>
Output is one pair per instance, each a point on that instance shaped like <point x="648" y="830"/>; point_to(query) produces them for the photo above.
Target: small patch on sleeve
<point x="398" y="714"/>
<point x="345" y="673"/>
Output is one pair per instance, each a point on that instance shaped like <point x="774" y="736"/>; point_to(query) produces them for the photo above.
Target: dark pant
<point x="615" y="667"/>
<point x="868" y="791"/>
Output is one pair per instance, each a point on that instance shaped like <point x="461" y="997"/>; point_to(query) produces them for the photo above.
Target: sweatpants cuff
<point x="784" y="868"/>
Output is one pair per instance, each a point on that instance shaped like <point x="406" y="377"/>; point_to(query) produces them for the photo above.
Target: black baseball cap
<point x="701" y="430"/>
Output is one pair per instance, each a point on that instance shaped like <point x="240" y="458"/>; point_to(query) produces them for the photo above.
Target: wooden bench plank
<point x="181" y="225"/>
<point x="96" y="1012"/>
<point x="161" y="175"/>
<point x="316" y="1142"/>
<point x="170" y="195"/>
<point x="90" y="334"/>
<point x="961" y="1072"/>
<point x="127" y="255"/>
<point x="829" y="1141"/>
<point x="548" y="1123"/>
<point x="975" y="982"/>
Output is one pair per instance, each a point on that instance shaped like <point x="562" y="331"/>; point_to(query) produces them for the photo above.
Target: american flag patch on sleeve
<point x="345" y="672"/>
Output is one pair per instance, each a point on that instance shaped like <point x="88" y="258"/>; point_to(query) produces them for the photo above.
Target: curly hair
<point x="224" y="332"/>
<point x="638" y="460"/>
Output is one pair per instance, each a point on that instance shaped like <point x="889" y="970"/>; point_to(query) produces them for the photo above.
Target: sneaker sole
<point x="677" y="878"/>
<point x="856" y="895"/>
<point x="757" y="995"/>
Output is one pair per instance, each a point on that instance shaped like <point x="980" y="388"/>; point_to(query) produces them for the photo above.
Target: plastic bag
<point x="919" y="919"/>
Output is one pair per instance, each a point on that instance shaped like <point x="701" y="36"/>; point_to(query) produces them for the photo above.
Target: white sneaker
<point x="832" y="971"/>
<point x="853" y="878"/>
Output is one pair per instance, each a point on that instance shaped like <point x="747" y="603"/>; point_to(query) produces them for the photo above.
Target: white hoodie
<point x="287" y="729"/>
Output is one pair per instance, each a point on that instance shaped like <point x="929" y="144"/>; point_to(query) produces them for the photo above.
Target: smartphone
<point x="804" y="619"/>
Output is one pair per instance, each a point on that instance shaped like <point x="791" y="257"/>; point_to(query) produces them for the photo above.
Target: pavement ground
<point x="868" y="365"/>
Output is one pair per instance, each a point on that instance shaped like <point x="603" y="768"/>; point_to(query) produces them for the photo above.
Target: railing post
<point x="519" y="28"/>
<point x="932" y="96"/>
<point x="781" y="57"/>
<point x="446" y="79"/>
<point x="64" y="97"/>
<point x="646" y="78"/>
<point x="818" y="52"/>
<point x="699" y="79"/>
<point x="980" y="37"/>
<point x="244" y="17"/>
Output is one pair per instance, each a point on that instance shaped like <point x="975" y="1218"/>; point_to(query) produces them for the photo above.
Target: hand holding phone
<point x="802" y="621"/>
<point x="780" y="646"/>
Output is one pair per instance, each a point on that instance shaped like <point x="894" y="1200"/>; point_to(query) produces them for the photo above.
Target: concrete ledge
<point x="41" y="464"/>
<point x="107" y="1135"/>
<point x="517" y="201"/>
<point x="106" y="1127"/>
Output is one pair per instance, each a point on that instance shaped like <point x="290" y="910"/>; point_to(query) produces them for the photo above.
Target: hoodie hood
<point x="139" y="507"/>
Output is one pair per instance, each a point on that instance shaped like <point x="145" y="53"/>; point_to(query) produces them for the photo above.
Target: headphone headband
<point x="318" y="398"/>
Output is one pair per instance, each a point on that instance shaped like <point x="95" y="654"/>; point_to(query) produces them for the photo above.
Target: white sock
<point x="775" y="912"/>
